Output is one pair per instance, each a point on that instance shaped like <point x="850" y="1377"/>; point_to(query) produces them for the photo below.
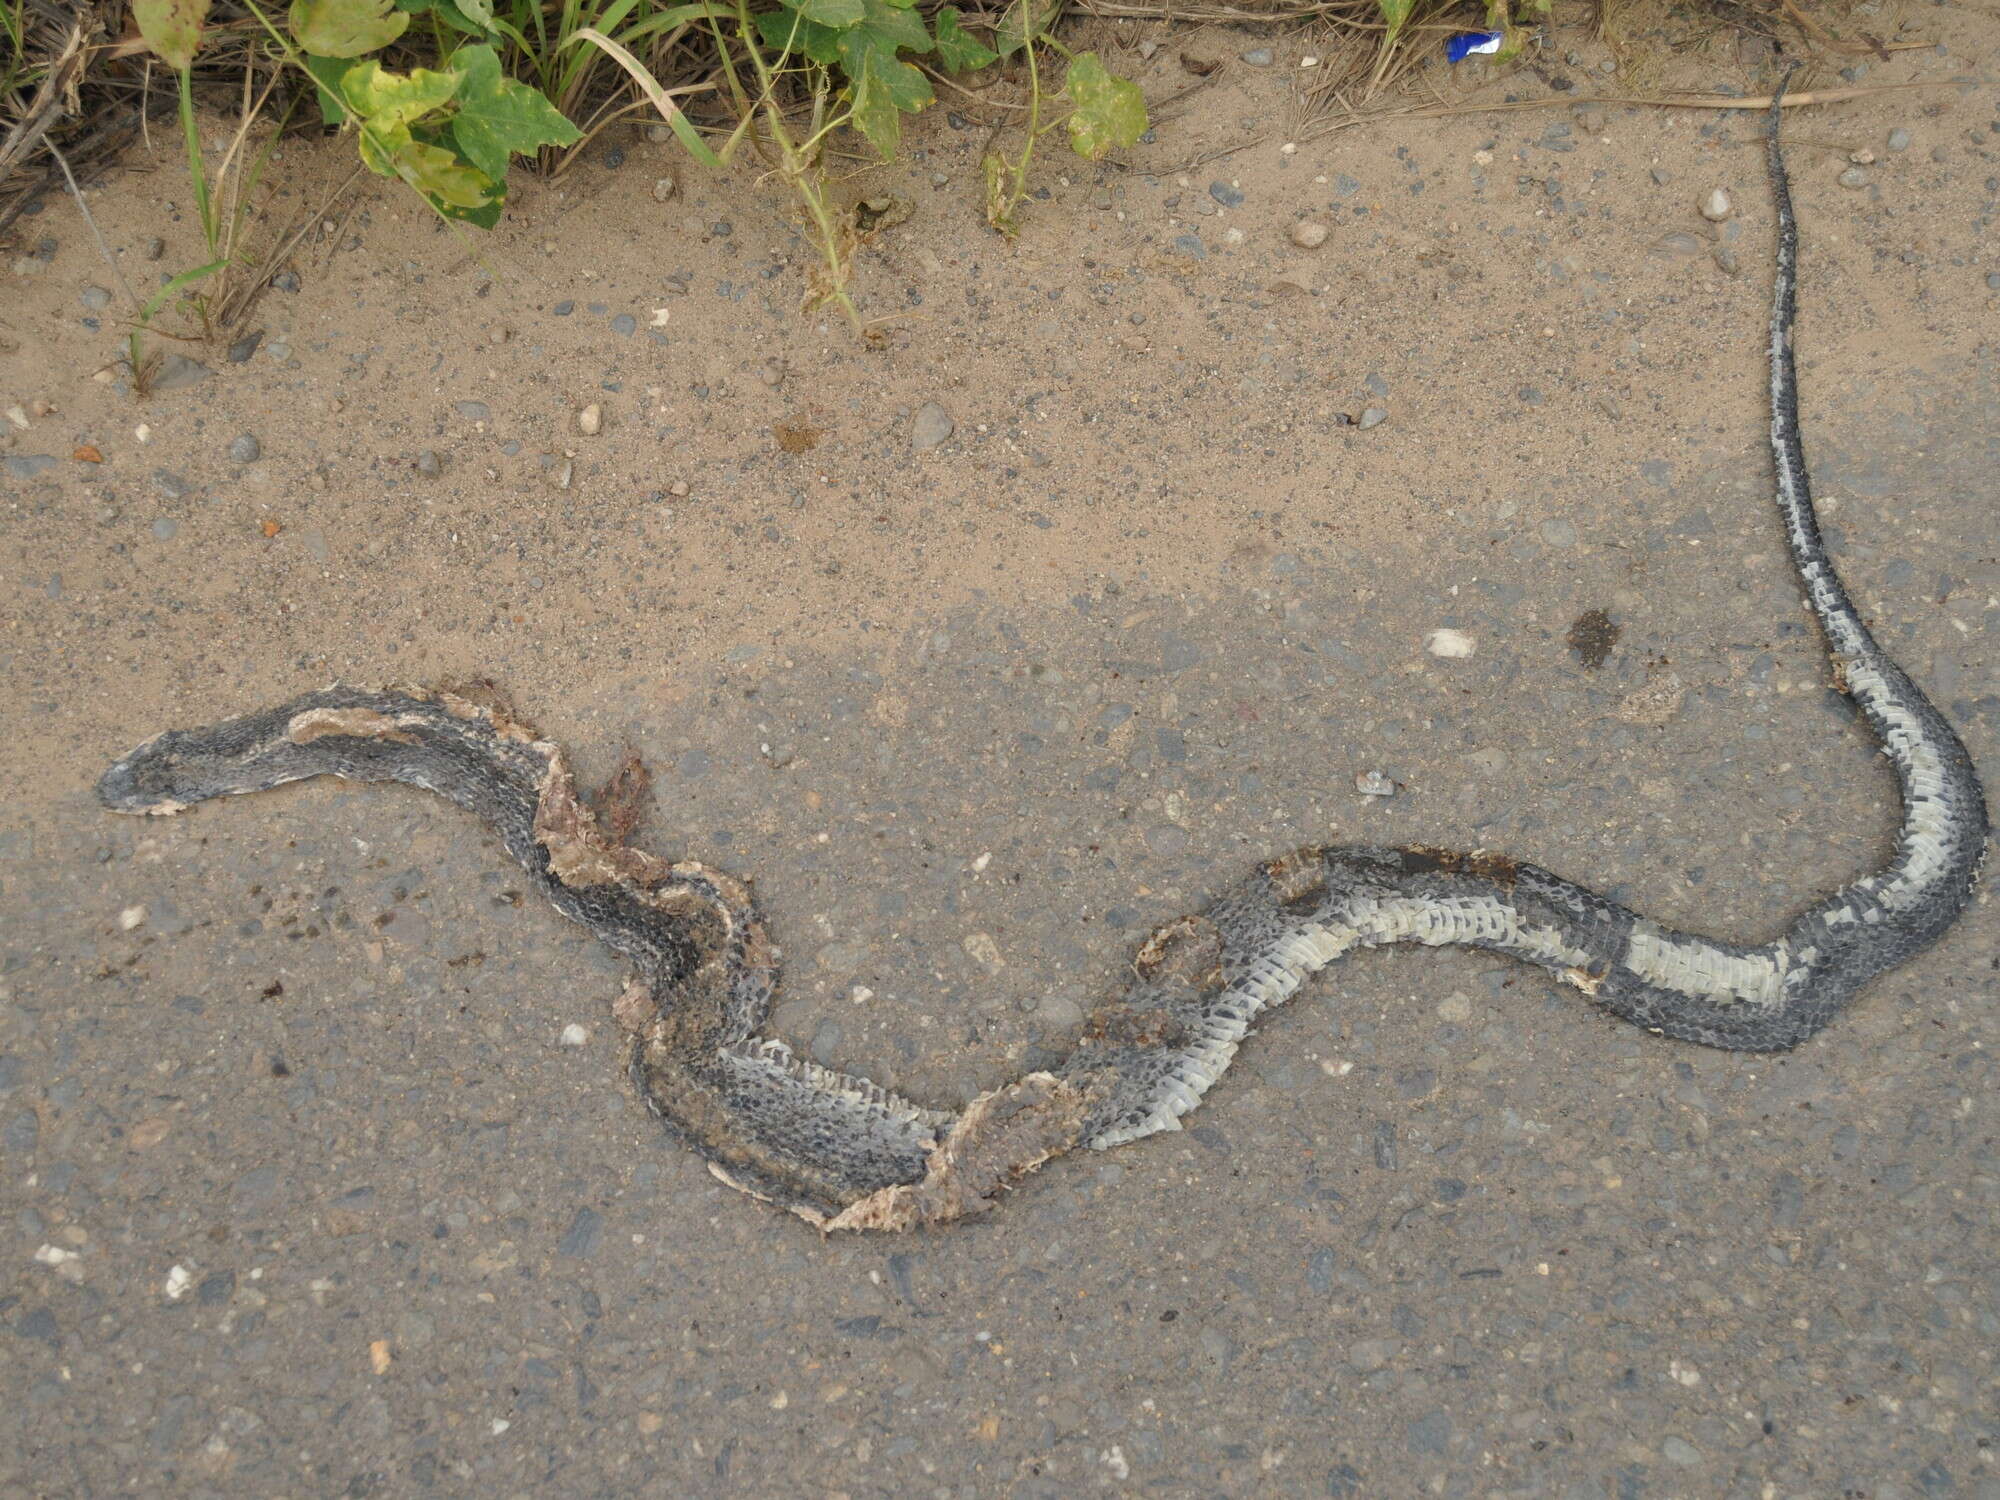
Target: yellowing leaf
<point x="346" y="28"/>
<point x="391" y="151"/>
<point x="171" y="28"/>
<point x="381" y="97"/>
<point x="1108" y="110"/>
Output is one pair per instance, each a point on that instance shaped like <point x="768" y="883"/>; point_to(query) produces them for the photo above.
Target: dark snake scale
<point x="845" y="1153"/>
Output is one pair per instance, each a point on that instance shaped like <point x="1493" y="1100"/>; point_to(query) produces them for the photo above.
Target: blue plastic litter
<point x="1469" y="43"/>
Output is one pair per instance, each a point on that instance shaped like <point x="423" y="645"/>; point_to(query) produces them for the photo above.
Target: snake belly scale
<point x="845" y="1153"/>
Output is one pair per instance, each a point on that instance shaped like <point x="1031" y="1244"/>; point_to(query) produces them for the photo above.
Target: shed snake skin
<point x="845" y="1153"/>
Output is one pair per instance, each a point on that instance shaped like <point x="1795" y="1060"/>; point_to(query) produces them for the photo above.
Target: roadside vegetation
<point x="455" y="99"/>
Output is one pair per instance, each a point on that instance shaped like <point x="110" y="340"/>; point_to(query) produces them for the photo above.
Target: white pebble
<point x="1452" y="644"/>
<point x="574" y="1035"/>
<point x="1716" y="206"/>
<point x="131" y="917"/>
<point x="179" y="1279"/>
<point x="1308" y="234"/>
<point x="590" y="421"/>
<point x="982" y="950"/>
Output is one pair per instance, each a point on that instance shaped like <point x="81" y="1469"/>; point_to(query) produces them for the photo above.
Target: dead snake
<point x="845" y="1153"/>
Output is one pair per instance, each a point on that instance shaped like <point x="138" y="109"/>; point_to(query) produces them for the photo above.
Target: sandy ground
<point x="303" y="1192"/>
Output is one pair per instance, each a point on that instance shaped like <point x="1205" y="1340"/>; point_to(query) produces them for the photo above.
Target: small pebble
<point x="1716" y="206"/>
<point x="1862" y="158"/>
<point x="678" y="489"/>
<point x="1725" y="260"/>
<point x="574" y="1035"/>
<point x="590" y="421"/>
<point x="1899" y="139"/>
<point x="1259" y="57"/>
<point x="1661" y="176"/>
<point x="931" y="427"/>
<point x="1374" y="784"/>
<point x="1452" y="645"/>
<point x="165" y="527"/>
<point x="1308" y="234"/>
<point x="177" y="372"/>
<point x="664" y="187"/>
<point x="1374" y="416"/>
<point x="155" y="248"/>
<point x="96" y="298"/>
<point x="429" y="464"/>
<point x="1678" y="1450"/>
<point x="1853" y="177"/>
<point x="243" y="348"/>
<point x="285" y="281"/>
<point x="1225" y="194"/>
<point x="245" y="449"/>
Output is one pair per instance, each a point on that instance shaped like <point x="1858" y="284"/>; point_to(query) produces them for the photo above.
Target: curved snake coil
<point x="847" y="1154"/>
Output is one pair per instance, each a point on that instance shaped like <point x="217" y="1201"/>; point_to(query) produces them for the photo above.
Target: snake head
<point x="173" y="771"/>
<point x="155" y="778"/>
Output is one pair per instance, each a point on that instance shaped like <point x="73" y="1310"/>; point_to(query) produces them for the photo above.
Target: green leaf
<point x="474" y="18"/>
<point x="346" y="28"/>
<point x="784" y="32"/>
<point x="839" y="14"/>
<point x="1108" y="110"/>
<point x="326" y="75"/>
<point x="498" y="116"/>
<point x="958" y="49"/>
<point x="894" y="27"/>
<point x="381" y="97"/>
<point x="1007" y="35"/>
<point x="171" y="28"/>
<point x="881" y="86"/>
<point x="1394" y="13"/>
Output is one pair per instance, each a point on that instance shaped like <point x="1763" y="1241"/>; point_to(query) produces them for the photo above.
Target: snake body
<point x="848" y="1154"/>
